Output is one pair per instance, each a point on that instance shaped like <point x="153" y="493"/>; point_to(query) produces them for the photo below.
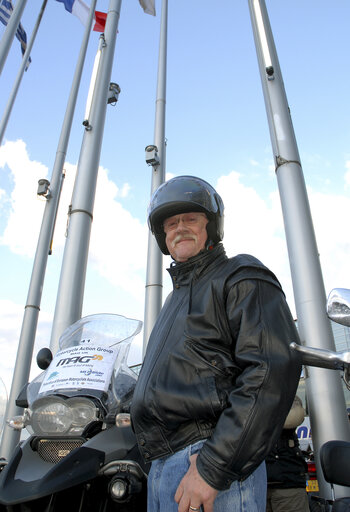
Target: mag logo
<point x="79" y="359"/>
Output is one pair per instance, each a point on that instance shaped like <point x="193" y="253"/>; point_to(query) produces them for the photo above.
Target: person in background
<point x="286" y="467"/>
<point x="218" y="378"/>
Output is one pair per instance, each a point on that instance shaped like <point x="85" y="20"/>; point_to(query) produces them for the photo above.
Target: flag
<point x="6" y="9"/>
<point x="78" y="8"/>
<point x="148" y="6"/>
<point x="100" y="21"/>
<point x="81" y="11"/>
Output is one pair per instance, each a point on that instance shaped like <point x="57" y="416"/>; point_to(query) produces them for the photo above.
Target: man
<point x="286" y="467"/>
<point x="218" y="377"/>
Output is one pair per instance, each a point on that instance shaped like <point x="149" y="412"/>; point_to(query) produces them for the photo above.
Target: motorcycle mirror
<point x="338" y="306"/>
<point x="44" y="358"/>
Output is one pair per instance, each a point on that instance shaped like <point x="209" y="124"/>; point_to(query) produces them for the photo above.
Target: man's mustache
<point x="179" y="238"/>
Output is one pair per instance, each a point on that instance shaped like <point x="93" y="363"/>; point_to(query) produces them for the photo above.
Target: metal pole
<point x="10" y="32"/>
<point x="72" y="280"/>
<point x="154" y="282"/>
<point x="324" y="391"/>
<point x="17" y="83"/>
<point x="31" y="312"/>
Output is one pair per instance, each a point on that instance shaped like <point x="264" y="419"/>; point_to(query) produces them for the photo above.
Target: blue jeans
<point x="166" y="474"/>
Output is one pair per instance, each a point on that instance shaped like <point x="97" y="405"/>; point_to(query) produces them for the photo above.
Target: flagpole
<point x="72" y="280"/>
<point x="31" y="312"/>
<point x="10" y="32"/>
<point x="325" y="395"/>
<point x="154" y="281"/>
<point x="17" y="83"/>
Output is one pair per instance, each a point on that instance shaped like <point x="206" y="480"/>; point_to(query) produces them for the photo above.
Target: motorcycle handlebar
<point x="322" y="358"/>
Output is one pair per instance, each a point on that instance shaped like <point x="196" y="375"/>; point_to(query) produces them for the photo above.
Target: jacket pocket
<point x="213" y="395"/>
<point x="213" y="358"/>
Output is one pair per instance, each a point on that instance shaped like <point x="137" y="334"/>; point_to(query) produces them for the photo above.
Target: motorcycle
<point x="81" y="452"/>
<point x="334" y="455"/>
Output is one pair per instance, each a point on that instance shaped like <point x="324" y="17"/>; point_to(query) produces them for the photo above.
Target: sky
<point x="216" y="128"/>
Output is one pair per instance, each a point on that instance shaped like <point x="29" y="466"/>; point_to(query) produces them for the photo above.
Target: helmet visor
<point x="180" y="196"/>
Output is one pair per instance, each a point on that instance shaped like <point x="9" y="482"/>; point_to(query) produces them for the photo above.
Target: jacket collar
<point x="182" y="272"/>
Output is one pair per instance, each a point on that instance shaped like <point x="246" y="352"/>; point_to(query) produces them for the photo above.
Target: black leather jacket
<point x="218" y="367"/>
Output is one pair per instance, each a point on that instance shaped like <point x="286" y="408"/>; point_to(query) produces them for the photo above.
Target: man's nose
<point x="181" y="225"/>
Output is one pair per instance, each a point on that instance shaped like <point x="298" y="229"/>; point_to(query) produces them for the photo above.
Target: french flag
<point x="81" y="10"/>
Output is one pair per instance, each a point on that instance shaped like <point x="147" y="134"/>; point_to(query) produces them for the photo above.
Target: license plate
<point x="312" y="486"/>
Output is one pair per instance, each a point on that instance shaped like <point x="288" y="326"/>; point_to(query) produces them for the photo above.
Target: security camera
<point x="152" y="157"/>
<point x="113" y="93"/>
<point x="43" y="188"/>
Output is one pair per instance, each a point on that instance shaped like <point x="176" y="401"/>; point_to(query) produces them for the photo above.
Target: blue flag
<point x="6" y="9"/>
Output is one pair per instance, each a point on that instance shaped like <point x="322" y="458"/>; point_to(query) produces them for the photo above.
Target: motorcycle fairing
<point x="27" y="477"/>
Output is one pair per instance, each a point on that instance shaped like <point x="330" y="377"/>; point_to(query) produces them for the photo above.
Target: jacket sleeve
<point x="262" y="328"/>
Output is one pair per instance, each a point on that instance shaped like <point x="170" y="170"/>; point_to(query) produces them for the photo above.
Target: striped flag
<point x="148" y="6"/>
<point x="6" y="9"/>
<point x="81" y="11"/>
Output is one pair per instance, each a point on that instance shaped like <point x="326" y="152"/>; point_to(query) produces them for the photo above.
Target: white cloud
<point x="329" y="213"/>
<point x="25" y="214"/>
<point x="169" y="176"/>
<point x="11" y="317"/>
<point x="119" y="240"/>
<point x="125" y="190"/>
<point x="347" y="174"/>
<point x="255" y="226"/>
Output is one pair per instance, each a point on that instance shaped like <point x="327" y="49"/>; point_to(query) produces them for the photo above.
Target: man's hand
<point x="194" y="491"/>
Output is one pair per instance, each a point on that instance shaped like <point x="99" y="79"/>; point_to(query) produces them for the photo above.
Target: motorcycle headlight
<point x="53" y="415"/>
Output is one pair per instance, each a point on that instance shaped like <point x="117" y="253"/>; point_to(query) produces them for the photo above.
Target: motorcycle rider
<point x="218" y="378"/>
<point x="287" y="468"/>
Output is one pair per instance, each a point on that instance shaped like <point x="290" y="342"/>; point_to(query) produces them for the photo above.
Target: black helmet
<point x="186" y="194"/>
